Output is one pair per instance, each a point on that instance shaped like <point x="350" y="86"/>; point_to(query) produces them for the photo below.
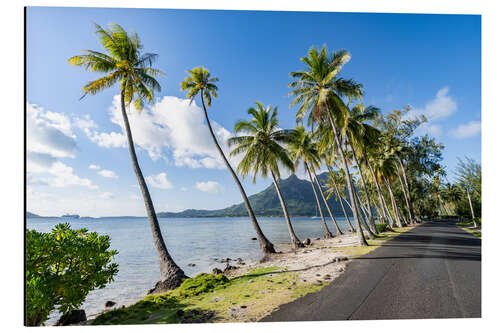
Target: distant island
<point x="297" y="193"/>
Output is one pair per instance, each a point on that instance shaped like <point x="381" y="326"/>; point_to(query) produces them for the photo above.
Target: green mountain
<point x="298" y="195"/>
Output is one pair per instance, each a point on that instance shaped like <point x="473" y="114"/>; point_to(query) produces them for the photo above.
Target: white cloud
<point x="94" y="167"/>
<point x="442" y="106"/>
<point x="209" y="186"/>
<point x="468" y="130"/>
<point x="50" y="138"/>
<point x="159" y="181"/>
<point x="108" y="174"/>
<point x="49" y="133"/>
<point x="63" y="176"/>
<point x="106" y="195"/>
<point x="102" y="139"/>
<point x="171" y="124"/>
<point x="184" y="189"/>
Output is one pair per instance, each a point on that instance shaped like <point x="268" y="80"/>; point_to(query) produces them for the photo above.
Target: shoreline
<point x="252" y="290"/>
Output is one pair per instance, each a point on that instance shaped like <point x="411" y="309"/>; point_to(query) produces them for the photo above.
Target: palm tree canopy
<point x="262" y="143"/>
<point x="302" y="147"/>
<point x="199" y="81"/>
<point x="124" y="63"/>
<point x="313" y="85"/>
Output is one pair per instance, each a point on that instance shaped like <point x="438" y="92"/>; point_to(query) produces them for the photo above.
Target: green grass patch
<point x="474" y="232"/>
<point x="382" y="237"/>
<point x="215" y="298"/>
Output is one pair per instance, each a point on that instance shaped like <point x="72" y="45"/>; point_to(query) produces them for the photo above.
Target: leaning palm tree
<point x="200" y="82"/>
<point x="302" y="148"/>
<point x="261" y="144"/>
<point x="318" y="91"/>
<point x="124" y="63"/>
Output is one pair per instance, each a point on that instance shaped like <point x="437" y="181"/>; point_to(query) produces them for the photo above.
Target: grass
<point x="214" y="298"/>
<point x="468" y="225"/>
<point x="357" y="251"/>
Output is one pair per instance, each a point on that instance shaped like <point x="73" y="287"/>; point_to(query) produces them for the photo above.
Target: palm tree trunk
<point x="394" y="205"/>
<point x="351" y="229"/>
<point x="410" y="207"/>
<point x="171" y="275"/>
<point x="296" y="243"/>
<point x="265" y="245"/>
<point x="368" y="200"/>
<point x="383" y="203"/>
<point x="407" y="200"/>
<point x="363" y="215"/>
<point x="328" y="234"/>
<point x="361" y="238"/>
<point x="471" y="208"/>
<point x="337" y="229"/>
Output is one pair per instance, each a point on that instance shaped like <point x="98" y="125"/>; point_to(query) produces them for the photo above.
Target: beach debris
<point x="191" y="265"/>
<point x="216" y="271"/>
<point x="340" y="269"/>
<point x="243" y="306"/>
<point x="229" y="268"/>
<point x="250" y="281"/>
<point x="307" y="241"/>
<point x="339" y="259"/>
<point x="110" y="304"/>
<point x="72" y="317"/>
<point x="318" y="238"/>
<point x="318" y="283"/>
<point x="318" y="274"/>
<point x="254" y="238"/>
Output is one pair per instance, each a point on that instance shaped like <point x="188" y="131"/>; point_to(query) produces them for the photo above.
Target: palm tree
<point x="302" y="148"/>
<point x="469" y="177"/>
<point x="200" y="82"/>
<point x="316" y="89"/>
<point x="261" y="143"/>
<point x="333" y="189"/>
<point x="124" y="63"/>
<point x="386" y="169"/>
<point x="359" y="134"/>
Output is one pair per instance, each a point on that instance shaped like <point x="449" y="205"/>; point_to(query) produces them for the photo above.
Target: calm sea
<point x="196" y="241"/>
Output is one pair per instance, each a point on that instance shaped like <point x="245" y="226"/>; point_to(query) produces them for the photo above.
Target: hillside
<point x="297" y="193"/>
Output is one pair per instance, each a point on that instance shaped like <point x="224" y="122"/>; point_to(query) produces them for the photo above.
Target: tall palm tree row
<point x="374" y="157"/>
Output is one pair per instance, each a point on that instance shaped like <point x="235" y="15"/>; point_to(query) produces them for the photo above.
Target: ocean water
<point x="189" y="240"/>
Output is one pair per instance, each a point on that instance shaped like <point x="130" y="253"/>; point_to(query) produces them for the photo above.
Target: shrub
<point x="62" y="266"/>
<point x="381" y="227"/>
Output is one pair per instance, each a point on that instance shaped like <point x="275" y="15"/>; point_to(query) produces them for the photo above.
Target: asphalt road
<point x="431" y="271"/>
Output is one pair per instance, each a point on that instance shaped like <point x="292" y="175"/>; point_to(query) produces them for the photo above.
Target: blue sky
<point x="77" y="160"/>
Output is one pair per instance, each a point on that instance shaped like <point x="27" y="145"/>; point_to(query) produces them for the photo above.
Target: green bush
<point x="62" y="266"/>
<point x="381" y="227"/>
